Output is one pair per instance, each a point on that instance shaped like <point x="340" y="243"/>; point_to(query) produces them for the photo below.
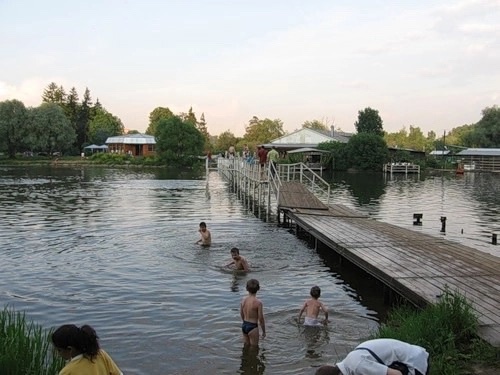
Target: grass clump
<point x="25" y="348"/>
<point x="447" y="329"/>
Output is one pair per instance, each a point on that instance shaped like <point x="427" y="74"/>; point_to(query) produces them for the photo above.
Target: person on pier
<point x="381" y="357"/>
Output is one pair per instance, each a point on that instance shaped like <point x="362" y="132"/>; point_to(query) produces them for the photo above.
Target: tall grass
<point x="447" y="329"/>
<point x="25" y="348"/>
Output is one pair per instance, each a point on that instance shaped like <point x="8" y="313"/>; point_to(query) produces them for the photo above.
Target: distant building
<point x="306" y="137"/>
<point x="134" y="144"/>
<point x="439" y="152"/>
<point x="483" y="159"/>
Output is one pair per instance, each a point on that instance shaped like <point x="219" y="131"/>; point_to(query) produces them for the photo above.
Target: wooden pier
<point x="417" y="266"/>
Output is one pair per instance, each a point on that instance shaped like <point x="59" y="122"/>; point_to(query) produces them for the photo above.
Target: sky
<point x="427" y="63"/>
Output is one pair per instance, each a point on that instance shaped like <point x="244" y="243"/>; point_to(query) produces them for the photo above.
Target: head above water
<point x="203" y="225"/>
<point x="253" y="286"/>
<point x="235" y="251"/>
<point x="315" y="292"/>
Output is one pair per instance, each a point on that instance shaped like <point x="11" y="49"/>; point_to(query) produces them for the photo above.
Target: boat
<point x="470" y="167"/>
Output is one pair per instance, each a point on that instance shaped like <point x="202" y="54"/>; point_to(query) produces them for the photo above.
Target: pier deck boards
<point x="416" y="265"/>
<point x="295" y="194"/>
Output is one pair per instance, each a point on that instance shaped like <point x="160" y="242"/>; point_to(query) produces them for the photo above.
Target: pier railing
<point x="240" y="171"/>
<point x="305" y="175"/>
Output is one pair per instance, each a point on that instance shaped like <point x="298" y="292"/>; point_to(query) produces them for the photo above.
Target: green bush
<point x="25" y="349"/>
<point x="447" y="329"/>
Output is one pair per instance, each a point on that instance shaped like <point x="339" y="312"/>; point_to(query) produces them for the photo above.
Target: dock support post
<point x="443" y="224"/>
<point x="494" y="238"/>
<point x="417" y="218"/>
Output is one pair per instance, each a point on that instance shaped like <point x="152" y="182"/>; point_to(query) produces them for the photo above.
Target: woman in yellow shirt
<point x="79" y="346"/>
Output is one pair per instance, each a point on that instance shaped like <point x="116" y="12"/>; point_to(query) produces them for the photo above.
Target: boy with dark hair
<point x="312" y="308"/>
<point x="238" y="262"/>
<point x="206" y="237"/>
<point x="252" y="314"/>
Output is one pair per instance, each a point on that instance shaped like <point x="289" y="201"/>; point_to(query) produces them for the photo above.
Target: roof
<point x="480" y="152"/>
<point x="306" y="137"/>
<point x="306" y="149"/>
<point x="96" y="147"/>
<point x="133" y="139"/>
<point x="439" y="152"/>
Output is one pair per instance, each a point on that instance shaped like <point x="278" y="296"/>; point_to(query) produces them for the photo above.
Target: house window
<point x="151" y="148"/>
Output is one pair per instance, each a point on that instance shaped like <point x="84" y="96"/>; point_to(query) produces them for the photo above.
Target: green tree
<point x="178" y="142"/>
<point x="159" y="113"/>
<point x="416" y="139"/>
<point x="262" y="131"/>
<point x="367" y="151"/>
<point x="457" y="136"/>
<point x="225" y="140"/>
<point x="84" y="118"/>
<point x="50" y="129"/>
<point x="104" y="125"/>
<point x="72" y="110"/>
<point x="369" y="121"/>
<point x="337" y="157"/>
<point x="398" y="139"/>
<point x="13" y="125"/>
<point x="54" y="94"/>
<point x="315" y="125"/>
<point x="486" y="133"/>
<point x="189" y="117"/>
<point x="202" y="127"/>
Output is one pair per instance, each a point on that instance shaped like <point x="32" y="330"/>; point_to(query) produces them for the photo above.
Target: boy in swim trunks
<point x="312" y="307"/>
<point x="252" y="314"/>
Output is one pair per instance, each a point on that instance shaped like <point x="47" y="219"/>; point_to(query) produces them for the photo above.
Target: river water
<point x="115" y="248"/>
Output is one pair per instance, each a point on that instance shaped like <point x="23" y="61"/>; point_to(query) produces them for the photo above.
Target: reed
<point x="447" y="329"/>
<point x="25" y="348"/>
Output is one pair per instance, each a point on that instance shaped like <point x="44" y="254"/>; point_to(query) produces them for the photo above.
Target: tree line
<point x="65" y="123"/>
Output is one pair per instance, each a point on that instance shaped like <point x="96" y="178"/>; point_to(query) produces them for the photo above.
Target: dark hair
<point x="235" y="250"/>
<point x="253" y="286"/>
<point x="83" y="339"/>
<point x="328" y="370"/>
<point x="203" y="224"/>
<point x="315" y="291"/>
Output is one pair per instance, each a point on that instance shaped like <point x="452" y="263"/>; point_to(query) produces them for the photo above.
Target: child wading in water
<point x="205" y="236"/>
<point x="252" y="314"/>
<point x="80" y="348"/>
<point x="312" y="307"/>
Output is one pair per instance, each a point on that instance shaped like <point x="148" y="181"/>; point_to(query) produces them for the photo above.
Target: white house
<point x="306" y="137"/>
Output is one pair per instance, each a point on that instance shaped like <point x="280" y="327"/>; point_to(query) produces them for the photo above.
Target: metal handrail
<point x="284" y="172"/>
<point x="314" y="182"/>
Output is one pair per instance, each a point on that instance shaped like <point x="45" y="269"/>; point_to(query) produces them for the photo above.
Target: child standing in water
<point x="206" y="237"/>
<point x="312" y="308"/>
<point x="79" y="346"/>
<point x="252" y="314"/>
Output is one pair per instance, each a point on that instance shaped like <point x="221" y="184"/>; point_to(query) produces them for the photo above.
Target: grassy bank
<point x="25" y="348"/>
<point x="448" y="330"/>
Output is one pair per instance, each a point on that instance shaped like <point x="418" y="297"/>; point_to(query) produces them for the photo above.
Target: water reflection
<point x="253" y="360"/>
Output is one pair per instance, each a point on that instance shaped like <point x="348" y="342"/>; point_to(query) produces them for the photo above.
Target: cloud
<point x="28" y="91"/>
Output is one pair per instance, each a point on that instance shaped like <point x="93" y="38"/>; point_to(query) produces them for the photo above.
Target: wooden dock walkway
<point x="415" y="265"/>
